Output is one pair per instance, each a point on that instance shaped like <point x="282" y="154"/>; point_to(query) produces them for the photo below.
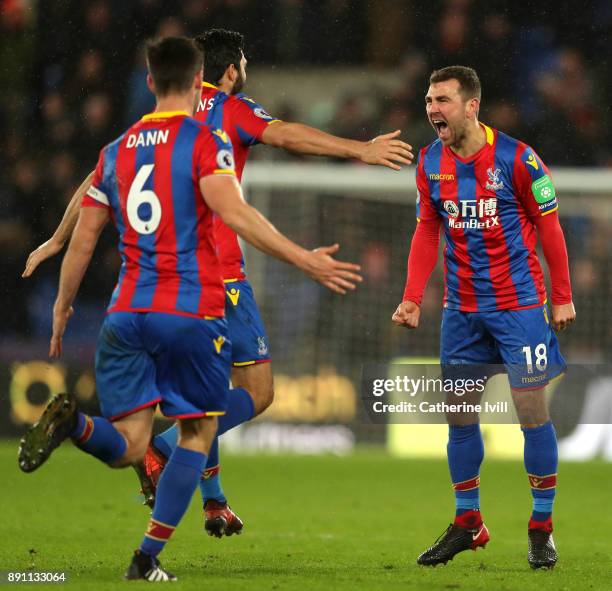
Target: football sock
<point x="240" y="409"/>
<point x="465" y="451"/>
<point x="98" y="437"/>
<point x="541" y="459"/>
<point x="210" y="484"/>
<point x="176" y="487"/>
<point x="166" y="442"/>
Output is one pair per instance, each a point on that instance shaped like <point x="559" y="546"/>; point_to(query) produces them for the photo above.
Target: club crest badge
<point x="494" y="184"/>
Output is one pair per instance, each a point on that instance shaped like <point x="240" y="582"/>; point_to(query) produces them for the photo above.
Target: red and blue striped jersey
<point x="488" y="204"/>
<point x="244" y="121"/>
<point x="149" y="180"/>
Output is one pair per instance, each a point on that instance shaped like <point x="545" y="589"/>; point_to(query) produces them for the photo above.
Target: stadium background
<point x="72" y="78"/>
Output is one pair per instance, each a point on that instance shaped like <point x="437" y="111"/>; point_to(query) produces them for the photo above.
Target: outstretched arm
<point x="83" y="242"/>
<point x="223" y="195"/>
<point x="63" y="232"/>
<point x="385" y="150"/>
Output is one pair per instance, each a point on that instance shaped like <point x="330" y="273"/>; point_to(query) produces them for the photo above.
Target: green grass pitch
<point x="312" y="523"/>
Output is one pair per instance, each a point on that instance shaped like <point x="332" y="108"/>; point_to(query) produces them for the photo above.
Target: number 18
<point x="540" y="355"/>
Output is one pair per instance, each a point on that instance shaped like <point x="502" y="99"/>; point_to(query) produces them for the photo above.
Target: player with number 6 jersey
<point x="164" y="341"/>
<point x="222" y="105"/>
<point x="169" y="262"/>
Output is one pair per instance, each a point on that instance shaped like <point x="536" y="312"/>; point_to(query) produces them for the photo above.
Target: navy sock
<point x="541" y="460"/>
<point x="240" y="409"/>
<point x="210" y="484"/>
<point x="98" y="437"/>
<point x="176" y="486"/>
<point x="166" y="442"/>
<point x="465" y="451"/>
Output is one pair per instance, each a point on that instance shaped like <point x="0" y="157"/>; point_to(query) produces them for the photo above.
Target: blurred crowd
<point x="72" y="77"/>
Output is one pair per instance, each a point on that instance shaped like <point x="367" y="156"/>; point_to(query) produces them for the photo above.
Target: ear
<point x="473" y="108"/>
<point x="231" y="73"/>
<point x="150" y="84"/>
<point x="198" y="79"/>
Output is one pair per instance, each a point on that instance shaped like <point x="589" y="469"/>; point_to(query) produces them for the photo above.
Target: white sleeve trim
<point x="98" y="195"/>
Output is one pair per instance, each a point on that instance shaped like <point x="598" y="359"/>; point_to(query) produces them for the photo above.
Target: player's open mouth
<point x="440" y="125"/>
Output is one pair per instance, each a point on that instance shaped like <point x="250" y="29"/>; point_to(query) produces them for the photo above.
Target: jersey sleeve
<point x="533" y="183"/>
<point x="97" y="195"/>
<point x="423" y="254"/>
<point x="214" y="153"/>
<point x="425" y="209"/>
<point x="250" y="119"/>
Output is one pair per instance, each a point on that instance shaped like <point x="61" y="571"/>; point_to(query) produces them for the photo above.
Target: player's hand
<point x="387" y="150"/>
<point x="335" y="275"/>
<point x="46" y="250"/>
<point x="60" y="320"/>
<point x="563" y="315"/>
<point x="407" y="314"/>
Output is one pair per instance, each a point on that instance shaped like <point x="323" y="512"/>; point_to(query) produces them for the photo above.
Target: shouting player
<point x="247" y="124"/>
<point x="164" y="340"/>
<point x="494" y="197"/>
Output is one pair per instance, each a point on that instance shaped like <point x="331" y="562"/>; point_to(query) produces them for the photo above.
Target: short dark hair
<point x="173" y="62"/>
<point x="220" y="48"/>
<point x="469" y="83"/>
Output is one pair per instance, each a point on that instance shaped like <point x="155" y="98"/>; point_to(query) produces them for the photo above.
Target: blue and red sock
<point x="240" y="409"/>
<point x="97" y="436"/>
<point x="465" y="451"/>
<point x="176" y="487"/>
<point x="541" y="461"/>
<point x="210" y="484"/>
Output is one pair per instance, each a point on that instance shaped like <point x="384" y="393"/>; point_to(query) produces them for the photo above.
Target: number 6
<point x="136" y="197"/>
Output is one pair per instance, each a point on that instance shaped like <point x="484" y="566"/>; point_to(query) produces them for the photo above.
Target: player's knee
<point x="531" y="408"/>
<point x="136" y="442"/>
<point x="197" y="434"/>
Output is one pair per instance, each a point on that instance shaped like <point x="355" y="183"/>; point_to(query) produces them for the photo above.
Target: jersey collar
<point x="489" y="133"/>
<point x="209" y="85"/>
<point x="164" y="115"/>
<point x="490" y="141"/>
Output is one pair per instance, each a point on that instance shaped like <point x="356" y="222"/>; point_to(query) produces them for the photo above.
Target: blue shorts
<point x="244" y="324"/>
<point x="180" y="362"/>
<point x="520" y="342"/>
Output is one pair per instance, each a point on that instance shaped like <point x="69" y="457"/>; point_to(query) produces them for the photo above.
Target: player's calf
<point x="61" y="420"/>
<point x="257" y="380"/>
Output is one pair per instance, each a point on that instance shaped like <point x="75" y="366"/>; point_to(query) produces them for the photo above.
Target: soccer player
<point x="164" y="340"/>
<point x="494" y="196"/>
<point x="247" y="124"/>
